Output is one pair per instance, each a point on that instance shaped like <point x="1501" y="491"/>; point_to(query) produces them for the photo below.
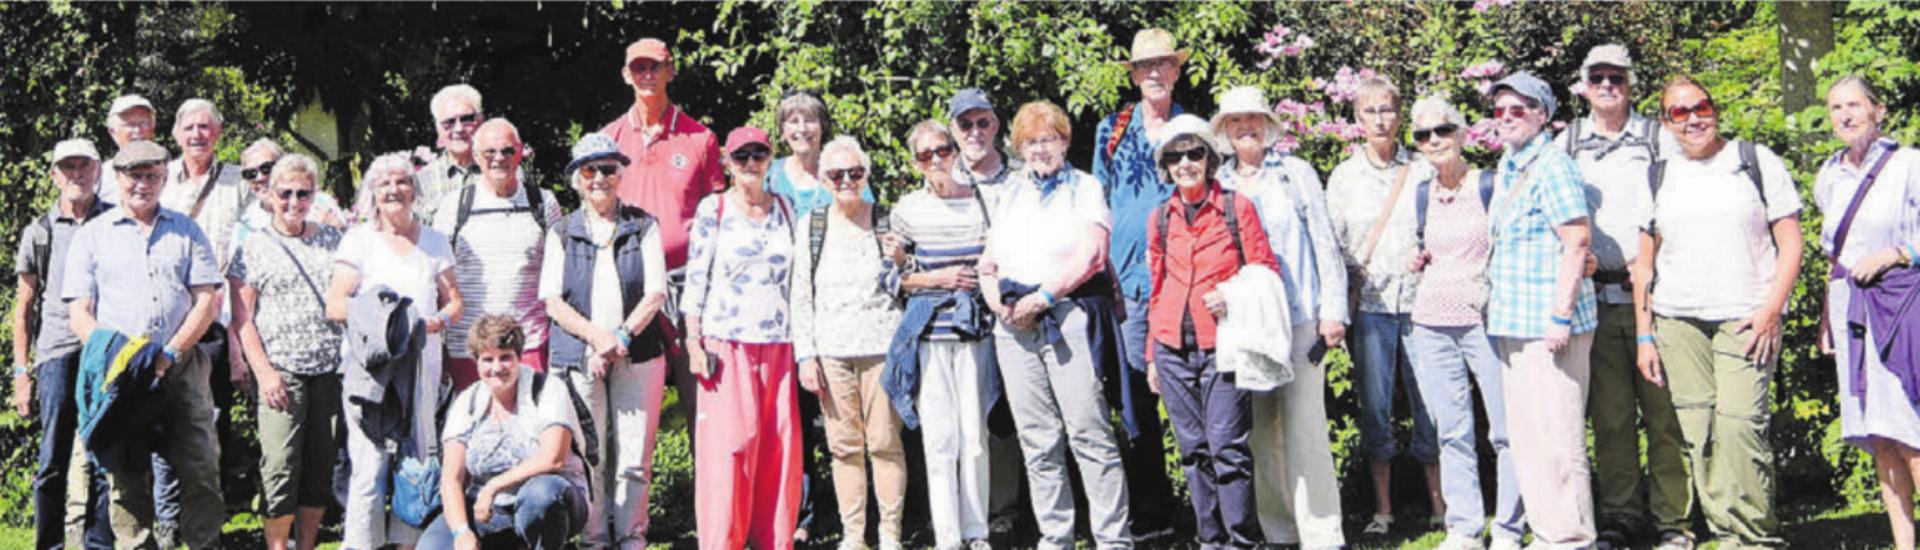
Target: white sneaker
<point x="1504" y="544"/>
<point x="891" y="544"/>
<point x="1380" y="525"/>
<point x="1456" y="541"/>
<point x="979" y="544"/>
<point x="852" y="544"/>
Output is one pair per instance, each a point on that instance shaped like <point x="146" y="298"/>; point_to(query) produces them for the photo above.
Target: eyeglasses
<point x="1680" y="113"/>
<point x="984" y="122"/>
<point x="846" y="174"/>
<point x="500" y="152"/>
<point x="257" y="172"/>
<point x="1195" y="154"/>
<point x="1510" y="111"/>
<point x="295" y="194"/>
<point x="755" y="154"/>
<point x="942" y="151"/>
<point x="1597" y="79"/>
<point x="144" y="173"/>
<point x="459" y="120"/>
<point x="1381" y="112"/>
<point x="1156" y="64"/>
<point x="607" y="169"/>
<point x="643" y="66"/>
<point x="1045" y="140"/>
<point x="1442" y="131"/>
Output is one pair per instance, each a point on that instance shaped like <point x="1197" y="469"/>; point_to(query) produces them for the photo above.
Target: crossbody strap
<point x="1386" y="213"/>
<point x="302" y="270"/>
<point x="1846" y="220"/>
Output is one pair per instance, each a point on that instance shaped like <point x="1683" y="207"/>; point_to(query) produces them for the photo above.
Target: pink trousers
<point x="747" y="448"/>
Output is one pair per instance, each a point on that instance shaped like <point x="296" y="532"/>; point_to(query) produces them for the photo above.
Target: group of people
<point x="496" y="365"/>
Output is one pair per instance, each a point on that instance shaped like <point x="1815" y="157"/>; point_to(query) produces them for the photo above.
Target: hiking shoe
<point x="1456" y="541"/>
<point x="1381" y="524"/>
<point x="1674" y="540"/>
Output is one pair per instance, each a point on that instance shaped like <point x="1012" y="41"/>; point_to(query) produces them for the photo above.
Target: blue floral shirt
<point x="1131" y="180"/>
<point x="737" y="271"/>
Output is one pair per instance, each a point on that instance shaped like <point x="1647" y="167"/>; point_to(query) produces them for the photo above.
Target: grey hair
<point x="295" y="165"/>
<point x="802" y="102"/>
<point x="843" y="144"/>
<point x="1866" y="87"/>
<point x="383" y="166"/>
<point x="263" y="145"/>
<point x="460" y="92"/>
<point x="1378" y="85"/>
<point x="929" y="127"/>
<point x="1439" y="105"/>
<point x="196" y="105"/>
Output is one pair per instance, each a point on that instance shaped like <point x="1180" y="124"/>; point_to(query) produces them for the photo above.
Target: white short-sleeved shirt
<point x="1614" y="170"/>
<point x="1033" y="231"/>
<point x="608" y="301"/>
<point x="1717" y="253"/>
<point x="496" y="445"/>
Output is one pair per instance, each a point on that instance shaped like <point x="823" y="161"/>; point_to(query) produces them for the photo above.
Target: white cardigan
<point x="1255" y="338"/>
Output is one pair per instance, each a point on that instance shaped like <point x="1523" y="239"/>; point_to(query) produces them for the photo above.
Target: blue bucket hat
<point x="595" y="146"/>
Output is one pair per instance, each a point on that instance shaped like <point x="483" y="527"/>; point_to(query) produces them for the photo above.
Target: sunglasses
<point x="501" y="152"/>
<point x="984" y="122"/>
<point x="645" y="66"/>
<point x="1681" y="113"/>
<point x="295" y="194"/>
<point x="459" y="120"/>
<point x="846" y="174"/>
<point x="1195" y="154"/>
<point x="257" y="172"/>
<point x="1442" y="131"/>
<point x="755" y="154"/>
<point x="942" y="151"/>
<point x="1609" y="78"/>
<point x="1510" y="111"/>
<point x="609" y="169"/>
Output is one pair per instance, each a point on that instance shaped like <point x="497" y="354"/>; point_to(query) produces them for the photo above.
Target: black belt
<point x="1612" y="277"/>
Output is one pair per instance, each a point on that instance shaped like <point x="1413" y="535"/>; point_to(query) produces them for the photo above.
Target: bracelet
<point x="442" y="316"/>
<point x="1562" y="321"/>
<point x="173" y="356"/>
<point x="1044" y="295"/>
<point x="626" y="338"/>
<point x="1913" y="256"/>
<point x="1643" y="339"/>
<point x="19" y="371"/>
<point x="461" y="530"/>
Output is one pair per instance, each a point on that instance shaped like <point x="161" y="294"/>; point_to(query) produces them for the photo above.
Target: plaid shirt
<point x="1526" y="251"/>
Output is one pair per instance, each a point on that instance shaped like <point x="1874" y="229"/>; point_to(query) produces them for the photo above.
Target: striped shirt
<point x="943" y="233"/>
<point x="497" y="260"/>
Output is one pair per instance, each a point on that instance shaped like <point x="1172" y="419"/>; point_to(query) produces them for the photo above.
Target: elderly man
<point x="456" y="114"/>
<point x="676" y="162"/>
<point x="1542" y="326"/>
<point x="144" y="270"/>
<point x="39" y="265"/>
<point x="129" y="119"/>
<point x="1123" y="162"/>
<point x="976" y="128"/>
<point x="1614" y="146"/>
<point x="498" y="231"/>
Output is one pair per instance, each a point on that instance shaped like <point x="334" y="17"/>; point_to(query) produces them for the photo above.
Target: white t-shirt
<point x="497" y="445"/>
<point x="1032" y="234"/>
<point x="411" y="275"/>
<point x="607" y="299"/>
<point x="1717" y="253"/>
<point x="1615" y="173"/>
<point x="498" y="261"/>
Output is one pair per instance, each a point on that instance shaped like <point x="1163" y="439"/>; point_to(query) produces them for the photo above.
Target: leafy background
<point x="350" y="81"/>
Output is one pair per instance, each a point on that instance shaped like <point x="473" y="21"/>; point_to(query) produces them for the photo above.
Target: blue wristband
<point x="1562" y="321"/>
<point x="1913" y="256"/>
<point x="626" y="338"/>
<point x="20" y="371"/>
<point x="1643" y="339"/>
<point x="1044" y="295"/>
<point x="172" y="355"/>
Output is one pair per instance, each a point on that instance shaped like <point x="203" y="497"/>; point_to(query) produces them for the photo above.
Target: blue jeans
<point x="546" y="513"/>
<point x="1445" y="359"/>
<point x="1147" y="451"/>
<point x="1212" y="422"/>
<point x="53" y="381"/>
<point x="1379" y="349"/>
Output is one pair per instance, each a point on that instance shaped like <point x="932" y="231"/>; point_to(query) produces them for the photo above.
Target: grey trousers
<point x="1057" y="403"/>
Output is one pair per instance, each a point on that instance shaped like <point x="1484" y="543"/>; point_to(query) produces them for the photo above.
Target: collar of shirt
<point x="1138" y="120"/>
<point x="1883" y="146"/>
<point x="1589" y="138"/>
<point x="120" y="215"/>
<point x="669" y="120"/>
<point x="454" y="169"/>
<point x="1517" y="160"/>
<point x="964" y="175"/>
<point x="1192" y="208"/>
<point x="99" y="206"/>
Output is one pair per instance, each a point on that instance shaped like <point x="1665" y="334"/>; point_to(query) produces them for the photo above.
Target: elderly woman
<point x="1723" y="241"/>
<point x="256" y="164"/>
<point x="1043" y="275"/>
<point x="604" y="285"/>
<point x="1541" y="312"/>
<point x="844" y="313"/>
<point x="803" y="123"/>
<point x="1192" y="248"/>
<point x="294" y="352"/>
<point x="1451" y="352"/>
<point x="1875" y="182"/>
<point x="739" y="262"/>
<point x="1289" y="440"/>
<point x="1372" y="209"/>
<point x="941" y="347"/>
<point x="509" y="474"/>
<point x="397" y="252"/>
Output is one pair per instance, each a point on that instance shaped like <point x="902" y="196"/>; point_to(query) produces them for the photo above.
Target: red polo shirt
<point x="1195" y="257"/>
<point x="670" y="173"/>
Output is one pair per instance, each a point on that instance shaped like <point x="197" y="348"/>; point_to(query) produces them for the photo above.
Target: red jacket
<point x="1193" y="258"/>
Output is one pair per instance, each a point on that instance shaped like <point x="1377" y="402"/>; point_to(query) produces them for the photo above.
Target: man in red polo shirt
<point x="676" y="162"/>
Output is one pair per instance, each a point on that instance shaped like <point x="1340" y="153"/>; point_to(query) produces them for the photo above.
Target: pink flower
<point x="1487" y="69"/>
<point x="1286" y="144"/>
<point x="1274" y="44"/>
<point x="1559" y="125"/>
<point x="1579" y="88"/>
<point x="1346" y="83"/>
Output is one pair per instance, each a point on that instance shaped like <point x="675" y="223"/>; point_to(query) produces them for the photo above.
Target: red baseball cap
<point x="744" y="136"/>
<point x="649" y="48"/>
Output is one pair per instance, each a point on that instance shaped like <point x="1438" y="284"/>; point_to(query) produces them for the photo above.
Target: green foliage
<point x="553" y="68"/>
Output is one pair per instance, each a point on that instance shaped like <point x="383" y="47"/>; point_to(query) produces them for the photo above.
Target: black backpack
<point x="1162" y="213"/>
<point x="1425" y="189"/>
<point x="1749" y="163"/>
<point x="42" y="256"/>
<point x="535" y="206"/>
